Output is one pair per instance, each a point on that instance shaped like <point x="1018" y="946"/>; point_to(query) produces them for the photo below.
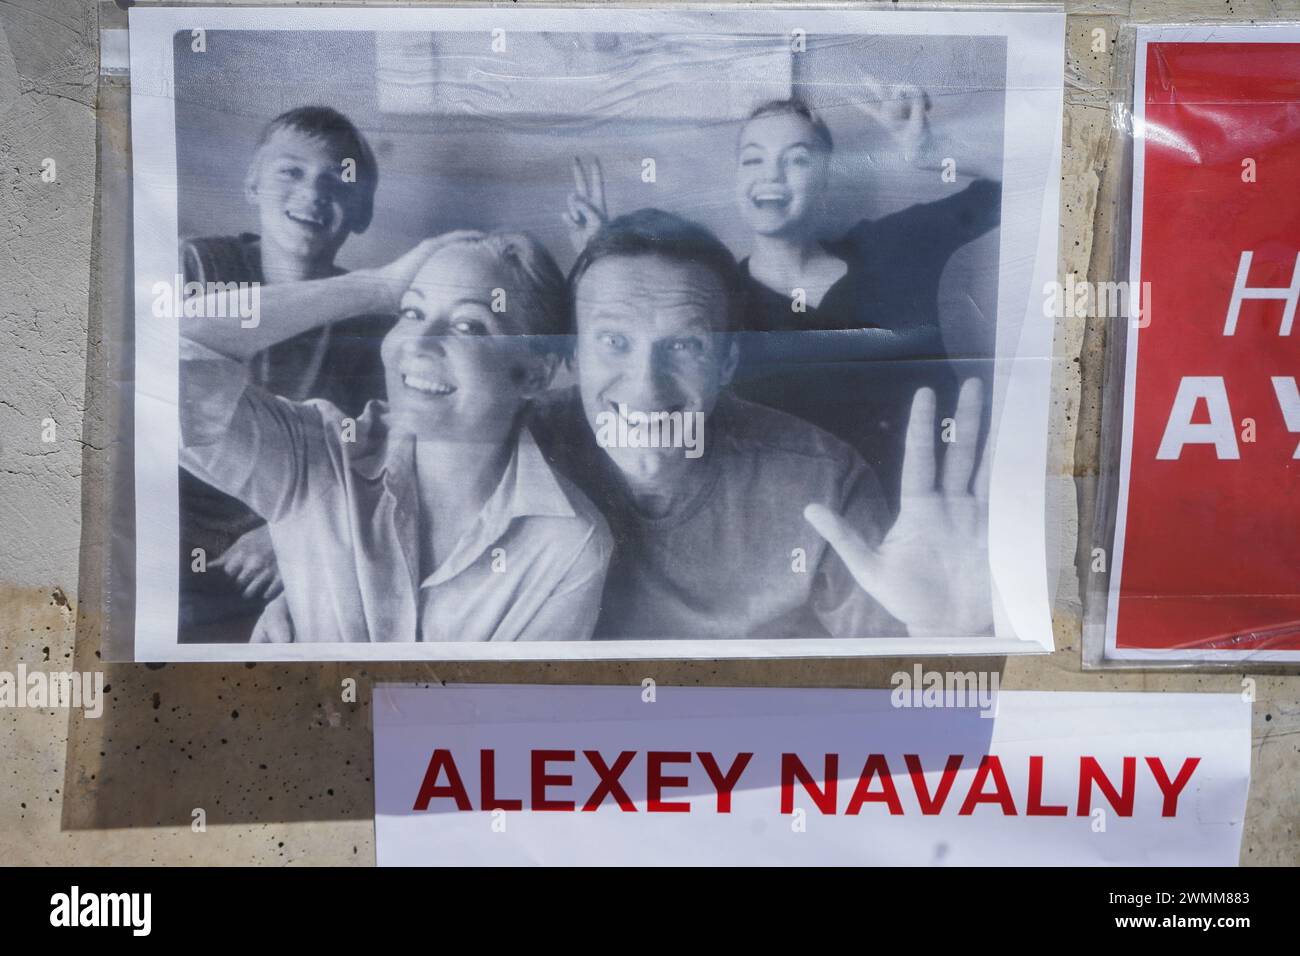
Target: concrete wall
<point x="280" y="766"/>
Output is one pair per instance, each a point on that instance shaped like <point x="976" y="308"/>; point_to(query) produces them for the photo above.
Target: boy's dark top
<point x="338" y="362"/>
<point x="852" y="364"/>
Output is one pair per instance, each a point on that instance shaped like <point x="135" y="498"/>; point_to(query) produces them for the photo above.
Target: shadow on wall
<point x="276" y="743"/>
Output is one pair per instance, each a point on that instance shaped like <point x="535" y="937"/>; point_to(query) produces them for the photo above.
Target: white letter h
<point x="1241" y="292"/>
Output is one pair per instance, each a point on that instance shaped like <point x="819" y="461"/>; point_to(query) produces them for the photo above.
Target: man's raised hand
<point x="931" y="571"/>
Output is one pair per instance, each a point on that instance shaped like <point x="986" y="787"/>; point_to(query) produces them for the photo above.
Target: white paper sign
<point x="500" y="775"/>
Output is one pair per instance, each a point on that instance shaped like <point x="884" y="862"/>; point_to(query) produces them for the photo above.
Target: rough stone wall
<point x="279" y="765"/>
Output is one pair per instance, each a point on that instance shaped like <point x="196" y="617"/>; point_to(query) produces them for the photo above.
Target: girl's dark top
<point x="851" y="364"/>
<point x="338" y="362"/>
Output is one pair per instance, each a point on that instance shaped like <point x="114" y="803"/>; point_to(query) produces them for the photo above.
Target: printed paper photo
<point x="601" y="333"/>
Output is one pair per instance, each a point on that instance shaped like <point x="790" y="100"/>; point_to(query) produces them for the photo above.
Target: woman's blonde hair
<point x="535" y="276"/>
<point x="794" y="106"/>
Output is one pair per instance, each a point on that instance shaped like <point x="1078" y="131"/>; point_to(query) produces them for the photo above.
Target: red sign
<point x="1208" y="531"/>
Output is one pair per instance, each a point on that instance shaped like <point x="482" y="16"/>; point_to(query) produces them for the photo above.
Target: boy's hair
<point x="534" y="275"/>
<point x="794" y="106"/>
<point x="653" y="232"/>
<point x="322" y="122"/>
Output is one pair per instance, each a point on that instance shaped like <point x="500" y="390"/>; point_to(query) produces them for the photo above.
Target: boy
<point x="432" y="516"/>
<point x="312" y="180"/>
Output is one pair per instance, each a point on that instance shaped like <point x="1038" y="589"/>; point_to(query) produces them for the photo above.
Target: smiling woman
<point x="432" y="516"/>
<point x="460" y="358"/>
<point x="842" y="332"/>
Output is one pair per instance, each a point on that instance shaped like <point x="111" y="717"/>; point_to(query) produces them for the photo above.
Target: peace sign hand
<point x="586" y="213"/>
<point x="932" y="569"/>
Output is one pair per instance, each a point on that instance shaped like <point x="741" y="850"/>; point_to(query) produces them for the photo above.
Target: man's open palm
<point x="931" y="571"/>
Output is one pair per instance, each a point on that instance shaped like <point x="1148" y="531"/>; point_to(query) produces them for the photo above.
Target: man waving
<point x="777" y="529"/>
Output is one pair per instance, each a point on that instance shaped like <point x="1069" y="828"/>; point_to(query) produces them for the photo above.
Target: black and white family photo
<point x="496" y="335"/>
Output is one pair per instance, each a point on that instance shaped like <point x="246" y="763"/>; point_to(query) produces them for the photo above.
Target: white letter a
<point x="1181" y="430"/>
